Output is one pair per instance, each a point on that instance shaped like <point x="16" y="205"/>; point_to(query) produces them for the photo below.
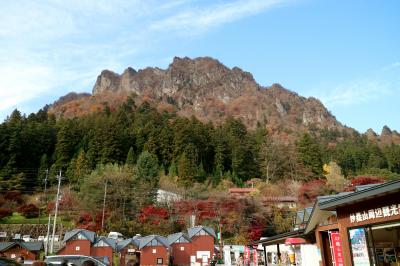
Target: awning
<point x="279" y="239"/>
<point x="295" y="241"/>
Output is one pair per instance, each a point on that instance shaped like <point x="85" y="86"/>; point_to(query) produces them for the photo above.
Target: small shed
<point x="27" y="250"/>
<point x="104" y="247"/>
<point x="154" y="250"/>
<point x="181" y="249"/>
<point x="203" y="238"/>
<point x="128" y="250"/>
<point x="77" y="242"/>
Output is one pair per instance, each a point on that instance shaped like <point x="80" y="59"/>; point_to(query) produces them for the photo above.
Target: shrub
<point x="29" y="210"/>
<point x="153" y="214"/>
<point x="311" y="190"/>
<point x="5" y="212"/>
<point x="2" y="200"/>
<point x="13" y="195"/>
<point x="364" y="180"/>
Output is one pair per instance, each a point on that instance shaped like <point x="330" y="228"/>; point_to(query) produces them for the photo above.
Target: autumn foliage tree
<point x="309" y="191"/>
<point x="5" y="212"/>
<point x="363" y="180"/>
<point x="29" y="210"/>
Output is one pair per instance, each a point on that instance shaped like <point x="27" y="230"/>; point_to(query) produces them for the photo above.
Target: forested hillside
<point x="184" y="147"/>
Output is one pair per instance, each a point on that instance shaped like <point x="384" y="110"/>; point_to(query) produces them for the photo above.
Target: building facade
<point x="203" y="250"/>
<point x="84" y="242"/>
<point x="181" y="249"/>
<point x="358" y="228"/>
<point x="154" y="250"/>
<point x="369" y="225"/>
<point x="26" y="250"/>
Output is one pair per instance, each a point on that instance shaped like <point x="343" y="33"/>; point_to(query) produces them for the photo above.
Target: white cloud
<point x="20" y="83"/>
<point x="57" y="46"/>
<point x="382" y="83"/>
<point x="195" y="21"/>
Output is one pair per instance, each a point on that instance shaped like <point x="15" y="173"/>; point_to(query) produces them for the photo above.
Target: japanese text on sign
<point x="386" y="211"/>
<point x="336" y="245"/>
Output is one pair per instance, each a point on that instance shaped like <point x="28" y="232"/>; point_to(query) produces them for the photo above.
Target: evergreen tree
<point x="148" y="175"/>
<point x="67" y="139"/>
<point x="310" y="153"/>
<point x="79" y="168"/>
<point x="147" y="166"/>
<point x="130" y="158"/>
<point x="173" y="170"/>
<point x="201" y="174"/>
<point x="43" y="169"/>
<point x="186" y="170"/>
<point x="393" y="158"/>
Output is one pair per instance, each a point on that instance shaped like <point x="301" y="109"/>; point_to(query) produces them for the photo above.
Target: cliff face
<point x="185" y="79"/>
<point x="207" y="89"/>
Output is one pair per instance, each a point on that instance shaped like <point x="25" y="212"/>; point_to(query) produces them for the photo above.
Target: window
<point x="182" y="248"/>
<point x="77" y="248"/>
<point x="159" y="261"/>
<point x="154" y="251"/>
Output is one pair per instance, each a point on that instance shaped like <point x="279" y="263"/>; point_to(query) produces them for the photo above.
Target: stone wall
<point x="34" y="230"/>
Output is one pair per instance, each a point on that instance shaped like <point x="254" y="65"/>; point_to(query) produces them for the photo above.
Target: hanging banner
<point x="337" y="253"/>
<point x="359" y="247"/>
<point x="246" y="255"/>
<point x="255" y="257"/>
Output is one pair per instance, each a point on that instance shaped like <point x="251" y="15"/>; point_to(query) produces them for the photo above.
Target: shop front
<point x="368" y="223"/>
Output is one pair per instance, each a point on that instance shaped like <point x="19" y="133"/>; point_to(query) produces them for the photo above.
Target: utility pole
<point x="46" y="243"/>
<point x="104" y="205"/>
<point x="221" y="253"/>
<point x="45" y="185"/>
<point x="55" y="214"/>
<point x="44" y="196"/>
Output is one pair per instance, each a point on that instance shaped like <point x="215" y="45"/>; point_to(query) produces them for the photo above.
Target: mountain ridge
<point x="205" y="88"/>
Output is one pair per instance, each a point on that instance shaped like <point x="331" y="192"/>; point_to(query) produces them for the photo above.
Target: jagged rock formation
<point x="388" y="136"/>
<point x="207" y="89"/>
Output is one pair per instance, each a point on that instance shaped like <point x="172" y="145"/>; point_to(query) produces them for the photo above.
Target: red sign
<point x="337" y="253"/>
<point x="255" y="258"/>
<point x="246" y="255"/>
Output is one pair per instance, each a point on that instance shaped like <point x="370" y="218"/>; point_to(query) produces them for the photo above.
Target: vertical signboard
<point x="359" y="248"/>
<point x="246" y="255"/>
<point x="255" y="257"/>
<point x="336" y="247"/>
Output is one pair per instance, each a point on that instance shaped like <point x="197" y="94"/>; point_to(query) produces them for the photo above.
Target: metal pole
<point x="104" y="205"/>
<point x="265" y="255"/>
<point x="45" y="185"/>
<point x="55" y="215"/>
<point x="40" y="200"/>
<point x="46" y="244"/>
<point x="220" y="240"/>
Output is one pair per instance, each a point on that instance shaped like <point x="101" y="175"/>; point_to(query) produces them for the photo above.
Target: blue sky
<point x="346" y="53"/>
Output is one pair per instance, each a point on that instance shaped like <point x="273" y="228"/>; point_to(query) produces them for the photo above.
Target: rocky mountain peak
<point x="107" y="81"/>
<point x="386" y="131"/>
<point x="211" y="91"/>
